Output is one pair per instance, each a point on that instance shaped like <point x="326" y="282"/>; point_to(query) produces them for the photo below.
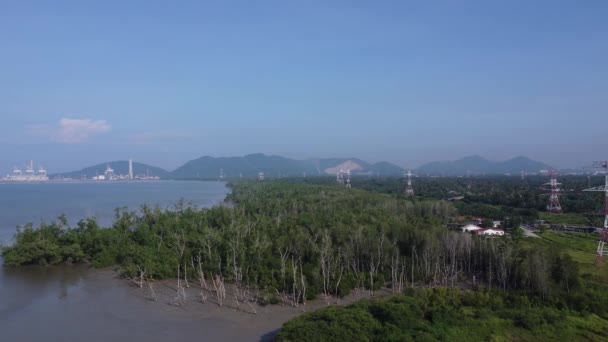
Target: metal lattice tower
<point x="409" y="191"/>
<point x="348" y="178"/>
<point x="221" y="173"/>
<point x="604" y="189"/>
<point x="554" y="206"/>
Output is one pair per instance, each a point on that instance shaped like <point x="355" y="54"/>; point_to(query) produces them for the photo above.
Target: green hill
<point x="275" y="166"/>
<point x="480" y="165"/>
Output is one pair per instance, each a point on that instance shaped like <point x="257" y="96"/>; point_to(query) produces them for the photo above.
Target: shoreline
<point x="85" y="181"/>
<point x="254" y="320"/>
<point x="107" y="306"/>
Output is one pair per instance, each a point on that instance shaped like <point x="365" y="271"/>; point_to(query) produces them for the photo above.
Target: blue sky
<point x="84" y="82"/>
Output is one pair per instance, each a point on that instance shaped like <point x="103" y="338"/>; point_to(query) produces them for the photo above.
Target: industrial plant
<point x="30" y="176"/>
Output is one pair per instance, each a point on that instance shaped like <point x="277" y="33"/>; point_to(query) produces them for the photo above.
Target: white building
<point x="490" y="232"/>
<point x="469" y="228"/>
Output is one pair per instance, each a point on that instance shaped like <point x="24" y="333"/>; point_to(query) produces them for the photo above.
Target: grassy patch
<point x="568" y="218"/>
<point x="581" y="247"/>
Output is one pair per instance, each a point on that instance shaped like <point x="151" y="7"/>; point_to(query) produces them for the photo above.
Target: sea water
<point x="34" y="203"/>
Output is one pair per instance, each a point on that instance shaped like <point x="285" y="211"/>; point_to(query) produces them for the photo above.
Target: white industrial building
<point x="469" y="228"/>
<point x="490" y="232"/>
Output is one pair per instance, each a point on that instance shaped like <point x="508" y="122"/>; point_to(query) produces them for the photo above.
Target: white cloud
<point x="71" y="131"/>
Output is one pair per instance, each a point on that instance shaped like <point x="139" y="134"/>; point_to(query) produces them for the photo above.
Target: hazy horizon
<point x="407" y="83"/>
<point x="109" y="161"/>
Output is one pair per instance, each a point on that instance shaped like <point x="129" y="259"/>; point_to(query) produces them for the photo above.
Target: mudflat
<point x="77" y="303"/>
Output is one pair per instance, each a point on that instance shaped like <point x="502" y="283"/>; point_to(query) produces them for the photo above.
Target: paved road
<point x="528" y="232"/>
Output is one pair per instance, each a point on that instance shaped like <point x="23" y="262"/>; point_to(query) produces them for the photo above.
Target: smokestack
<point x="130" y="168"/>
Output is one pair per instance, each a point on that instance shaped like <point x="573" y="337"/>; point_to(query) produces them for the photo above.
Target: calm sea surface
<point x="74" y="303"/>
<point x="25" y="203"/>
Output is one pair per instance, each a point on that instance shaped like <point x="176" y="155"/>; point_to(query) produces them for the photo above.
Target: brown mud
<point x="75" y="303"/>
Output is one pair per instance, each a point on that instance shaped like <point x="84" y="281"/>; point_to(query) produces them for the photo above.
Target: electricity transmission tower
<point x="604" y="189"/>
<point x="554" y="206"/>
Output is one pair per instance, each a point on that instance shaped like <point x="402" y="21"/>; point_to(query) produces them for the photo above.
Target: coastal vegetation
<point x="446" y="315"/>
<point x="508" y="199"/>
<point x="289" y="243"/>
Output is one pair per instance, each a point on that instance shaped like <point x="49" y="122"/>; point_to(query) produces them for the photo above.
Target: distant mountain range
<point x="247" y="167"/>
<point x="276" y="166"/>
<point x="120" y="167"/>
<point x="480" y="165"/>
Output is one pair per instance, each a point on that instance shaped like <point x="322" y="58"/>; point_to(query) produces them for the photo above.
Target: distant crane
<point x="604" y="189"/>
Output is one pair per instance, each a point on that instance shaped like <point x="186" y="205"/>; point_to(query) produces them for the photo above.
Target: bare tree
<point x="282" y="296"/>
<point x="201" y="274"/>
<point x="284" y="253"/>
<point x="142" y="272"/>
<point x="303" y="281"/>
<point x="414" y="257"/>
<point x="220" y="289"/>
<point x="394" y="274"/>
<point x="186" y="276"/>
<point x="339" y="270"/>
<point x="402" y="277"/>
<point x="295" y="288"/>
<point x="180" y="299"/>
<point x="356" y="262"/>
<point x="503" y="262"/>
<point x="375" y="260"/>
<point x="152" y="292"/>
<point x="323" y="249"/>
<point x="180" y="243"/>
